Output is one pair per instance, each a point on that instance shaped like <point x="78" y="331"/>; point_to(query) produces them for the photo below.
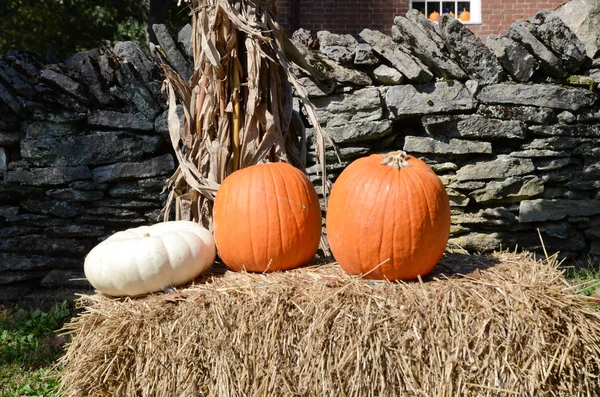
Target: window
<point x="454" y="8"/>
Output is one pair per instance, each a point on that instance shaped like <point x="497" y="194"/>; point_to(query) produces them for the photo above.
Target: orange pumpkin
<point x="434" y="16"/>
<point x="465" y="15"/>
<point x="266" y="217"/>
<point x="451" y="14"/>
<point x="388" y="217"/>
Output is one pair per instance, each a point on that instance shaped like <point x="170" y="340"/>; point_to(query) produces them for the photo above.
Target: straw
<point x="498" y="325"/>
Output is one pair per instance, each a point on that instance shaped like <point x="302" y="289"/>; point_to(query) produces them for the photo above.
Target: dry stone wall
<point x="512" y="128"/>
<point x="84" y="152"/>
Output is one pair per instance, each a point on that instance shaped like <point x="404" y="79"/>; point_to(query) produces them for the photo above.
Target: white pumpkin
<point x="149" y="258"/>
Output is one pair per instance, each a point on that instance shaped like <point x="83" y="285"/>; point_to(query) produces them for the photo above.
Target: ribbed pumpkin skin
<point x="378" y="212"/>
<point x="146" y="259"/>
<point x="266" y="218"/>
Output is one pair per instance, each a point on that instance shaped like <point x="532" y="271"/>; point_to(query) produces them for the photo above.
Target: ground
<point x="30" y="346"/>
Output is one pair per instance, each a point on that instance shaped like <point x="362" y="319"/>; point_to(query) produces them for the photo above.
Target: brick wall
<point x="351" y="16"/>
<point x="498" y="15"/>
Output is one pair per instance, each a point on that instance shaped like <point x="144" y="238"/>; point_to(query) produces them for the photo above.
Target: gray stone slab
<point x="526" y="114"/>
<point x="513" y="57"/>
<point x="478" y="242"/>
<point x="457" y="199"/>
<point x="42" y="129"/>
<point x="423" y="99"/>
<point x="60" y="209"/>
<point x="92" y="149"/>
<point x="557" y="36"/>
<point x="134" y="92"/>
<point x="364" y="131"/>
<point x="42" y="245"/>
<point x="432" y="30"/>
<point x="414" y="144"/>
<point x="75" y="195"/>
<point x="412" y="68"/>
<point x="500" y="168"/>
<point x="474" y="126"/>
<point x="583" y="18"/>
<point x="9" y="139"/>
<point x="345" y="153"/>
<point x="410" y="34"/>
<point x="315" y="90"/>
<point x="510" y="190"/>
<point x="588" y="149"/>
<point x="161" y="165"/>
<point x="18" y="83"/>
<point x="328" y="69"/>
<point x="184" y="38"/>
<point x="551" y="164"/>
<point x="65" y="84"/>
<point x="567" y="130"/>
<point x="543" y="95"/>
<point x="144" y="189"/>
<point x="11" y="102"/>
<point x="65" y="278"/>
<point x="13" y="277"/>
<point x="338" y="47"/>
<point x="443" y="167"/>
<point x="364" y="55"/>
<point x="58" y="116"/>
<point x="532" y="153"/>
<point x="23" y="262"/>
<point x="387" y="75"/>
<point x="3" y="160"/>
<point x="555" y="143"/>
<point x="361" y="105"/>
<point x="472" y="55"/>
<point x="113" y="211"/>
<point x="521" y="31"/>
<point x="541" y="210"/>
<point x="111" y="119"/>
<point x="48" y="176"/>
<point x="179" y="63"/>
<point x="86" y="64"/>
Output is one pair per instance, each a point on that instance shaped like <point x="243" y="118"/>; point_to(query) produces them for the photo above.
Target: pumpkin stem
<point x="146" y="234"/>
<point x="396" y="159"/>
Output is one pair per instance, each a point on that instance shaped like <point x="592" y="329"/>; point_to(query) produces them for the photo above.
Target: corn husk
<point x="237" y="105"/>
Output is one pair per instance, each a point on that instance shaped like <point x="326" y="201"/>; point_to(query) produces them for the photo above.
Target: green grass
<point x="17" y="381"/>
<point x="29" y="348"/>
<point x="585" y="275"/>
<point x="586" y="280"/>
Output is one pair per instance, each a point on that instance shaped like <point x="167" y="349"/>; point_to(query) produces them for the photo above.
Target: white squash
<point x="149" y="258"/>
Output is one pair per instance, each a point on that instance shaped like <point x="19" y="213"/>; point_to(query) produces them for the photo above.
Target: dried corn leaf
<point x="238" y="103"/>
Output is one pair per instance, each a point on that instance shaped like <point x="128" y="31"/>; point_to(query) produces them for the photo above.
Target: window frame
<point x="475" y="9"/>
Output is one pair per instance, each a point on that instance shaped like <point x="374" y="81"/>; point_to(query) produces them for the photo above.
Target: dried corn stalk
<point x="237" y="104"/>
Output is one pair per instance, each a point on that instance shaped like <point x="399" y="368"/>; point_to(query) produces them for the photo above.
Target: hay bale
<point x="513" y="326"/>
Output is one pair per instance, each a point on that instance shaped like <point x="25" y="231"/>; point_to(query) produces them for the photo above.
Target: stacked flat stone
<point x="84" y="152"/>
<point x="512" y="126"/>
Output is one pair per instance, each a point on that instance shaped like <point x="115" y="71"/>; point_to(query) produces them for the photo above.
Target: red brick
<point x="351" y="16"/>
